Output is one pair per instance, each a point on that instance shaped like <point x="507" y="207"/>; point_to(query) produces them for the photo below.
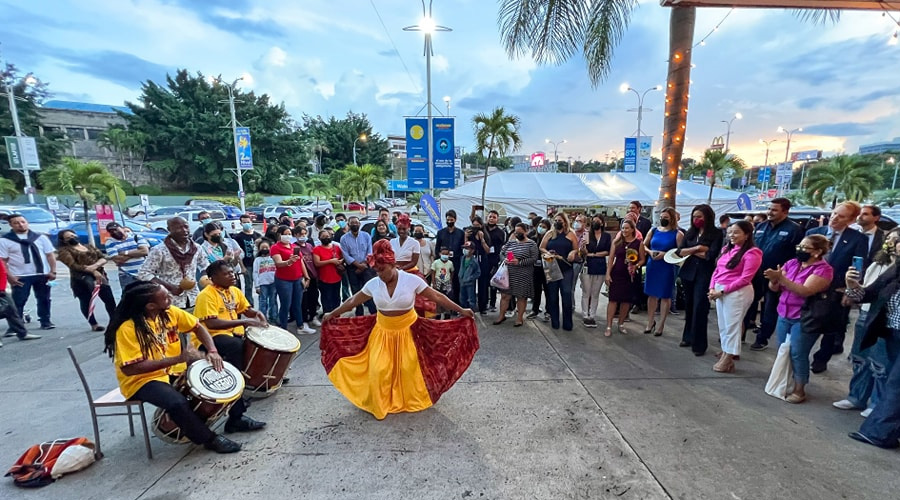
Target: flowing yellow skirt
<point x="385" y="377"/>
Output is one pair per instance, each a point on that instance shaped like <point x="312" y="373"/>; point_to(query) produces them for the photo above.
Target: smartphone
<point x="296" y="250"/>
<point x="858" y="264"/>
<point x="510" y="256"/>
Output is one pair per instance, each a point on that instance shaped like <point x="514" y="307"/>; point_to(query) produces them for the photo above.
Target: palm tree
<point x="318" y="186"/>
<point x="553" y="31"/>
<point x="8" y="189"/>
<point x="364" y="181"/>
<point x="887" y="197"/>
<point x="495" y="133"/>
<point x="88" y="180"/>
<point x="849" y="177"/>
<point x="125" y="144"/>
<point x="722" y="164"/>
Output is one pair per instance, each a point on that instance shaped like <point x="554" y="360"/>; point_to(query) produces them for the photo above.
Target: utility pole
<point x="13" y="110"/>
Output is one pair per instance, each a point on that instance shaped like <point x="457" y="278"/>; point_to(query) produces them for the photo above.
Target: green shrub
<point x="283" y="189"/>
<point x="294" y="201"/>
<point x="127" y="187"/>
<point x="204" y="187"/>
<point x="148" y="190"/>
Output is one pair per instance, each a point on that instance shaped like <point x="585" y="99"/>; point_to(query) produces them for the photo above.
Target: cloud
<point x="841" y="129"/>
<point x="809" y="102"/>
<point x="125" y="69"/>
<point x="275" y="57"/>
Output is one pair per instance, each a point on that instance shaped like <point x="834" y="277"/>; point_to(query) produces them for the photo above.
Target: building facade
<point x="880" y="147"/>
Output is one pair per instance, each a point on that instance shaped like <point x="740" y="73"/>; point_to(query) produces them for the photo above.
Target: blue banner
<point x="444" y="170"/>
<point x="398" y="185"/>
<point x="242" y="148"/>
<point x="765" y="175"/>
<point x="430" y="206"/>
<point x="630" y="160"/>
<point x="417" y="153"/>
<point x="744" y="202"/>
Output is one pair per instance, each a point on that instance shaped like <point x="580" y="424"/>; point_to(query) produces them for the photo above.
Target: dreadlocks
<point x="134" y="299"/>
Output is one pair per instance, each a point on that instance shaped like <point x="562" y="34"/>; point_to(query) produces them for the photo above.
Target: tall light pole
<point x="362" y="137"/>
<point x="428" y="27"/>
<point x="11" y="95"/>
<point x="555" y="152"/>
<point x="893" y="162"/>
<point x="640" y="109"/>
<point x="234" y="124"/>
<point x="737" y="116"/>
<point x="787" y="150"/>
<point x="768" y="173"/>
<point x="447" y="101"/>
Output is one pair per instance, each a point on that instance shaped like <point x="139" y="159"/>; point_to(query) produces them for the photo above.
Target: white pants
<point x="590" y="293"/>
<point x="730" y="310"/>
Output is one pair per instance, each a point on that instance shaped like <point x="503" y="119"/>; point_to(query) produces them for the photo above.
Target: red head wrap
<point x="403" y="221"/>
<point x="382" y="254"/>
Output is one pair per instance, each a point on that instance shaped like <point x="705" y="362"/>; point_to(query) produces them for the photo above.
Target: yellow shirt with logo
<point x="168" y="344"/>
<point x="226" y="304"/>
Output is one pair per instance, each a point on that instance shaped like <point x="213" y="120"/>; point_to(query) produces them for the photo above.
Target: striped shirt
<point x="131" y="242"/>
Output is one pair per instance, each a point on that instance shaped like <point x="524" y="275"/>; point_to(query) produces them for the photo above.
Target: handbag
<point x="781" y="378"/>
<point x="821" y="313"/>
<point x="339" y="267"/>
<point x="552" y="272"/>
<point x="501" y="277"/>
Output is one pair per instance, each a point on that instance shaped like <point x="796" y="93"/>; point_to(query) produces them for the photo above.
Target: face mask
<point x="326" y="241"/>
<point x="354" y="228"/>
<point x="803" y="256"/>
<point x="286" y="239"/>
<point x="577" y="226"/>
<point x="247" y="226"/>
<point x="451" y="224"/>
<point x="596" y="226"/>
<point x="264" y="252"/>
<point x="558" y="226"/>
<point x="665" y="222"/>
<point x="303" y="239"/>
<point x="204" y="221"/>
<point x="72" y="241"/>
<point x="698" y="223"/>
<point x="445" y="258"/>
<point x="520" y="236"/>
<point x="541" y="230"/>
<point x="418" y="236"/>
<point x="341" y="224"/>
<point x="216" y="238"/>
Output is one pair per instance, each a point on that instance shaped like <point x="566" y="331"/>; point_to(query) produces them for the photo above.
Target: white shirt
<point x="405" y="252"/>
<point x="408" y="286"/>
<point x="16" y="260"/>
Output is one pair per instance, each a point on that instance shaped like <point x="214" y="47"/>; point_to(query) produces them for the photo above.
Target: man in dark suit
<point x="868" y="225"/>
<point x="846" y="243"/>
<point x="643" y="224"/>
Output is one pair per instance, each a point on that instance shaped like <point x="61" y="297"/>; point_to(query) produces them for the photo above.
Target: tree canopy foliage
<point x="332" y="141"/>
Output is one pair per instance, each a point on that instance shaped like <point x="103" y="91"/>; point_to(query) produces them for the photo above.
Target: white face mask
<point x="577" y="226"/>
<point x="286" y="239"/>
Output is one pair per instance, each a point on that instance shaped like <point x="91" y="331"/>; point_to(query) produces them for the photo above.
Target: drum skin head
<point x="220" y="387"/>
<point x="273" y="338"/>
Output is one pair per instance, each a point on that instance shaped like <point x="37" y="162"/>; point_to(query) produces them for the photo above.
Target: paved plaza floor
<point x="540" y="414"/>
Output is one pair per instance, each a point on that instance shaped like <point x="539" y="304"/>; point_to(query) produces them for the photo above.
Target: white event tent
<point x="521" y="192"/>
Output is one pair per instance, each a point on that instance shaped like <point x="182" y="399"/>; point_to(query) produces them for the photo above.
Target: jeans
<point x="801" y="346"/>
<point x="785" y="327"/>
<point x="311" y="300"/>
<point x="41" y="294"/>
<point x="125" y="279"/>
<point x="268" y="301"/>
<point x="467" y="295"/>
<point x="556" y="288"/>
<point x="163" y="395"/>
<point x="357" y="281"/>
<point x="696" y="314"/>
<point x="870" y="369"/>
<point x="345" y="287"/>
<point x="290" y="295"/>
<point x="248" y="286"/>
<point x="883" y="425"/>
<point x="331" y="295"/>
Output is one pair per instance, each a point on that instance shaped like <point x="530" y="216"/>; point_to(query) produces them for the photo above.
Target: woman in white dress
<point x="406" y="249"/>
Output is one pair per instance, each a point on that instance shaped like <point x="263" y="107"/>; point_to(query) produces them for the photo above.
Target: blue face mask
<point x="341" y="224"/>
<point x="247" y="226"/>
<point x="541" y="230"/>
<point x="445" y="258"/>
<point x="302" y="239"/>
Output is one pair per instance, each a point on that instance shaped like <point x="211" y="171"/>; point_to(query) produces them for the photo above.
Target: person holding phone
<point x="329" y="260"/>
<point x="290" y="279"/>
<point x="521" y="254"/>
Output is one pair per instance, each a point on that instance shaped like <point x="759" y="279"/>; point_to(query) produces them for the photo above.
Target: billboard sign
<point x="630" y="161"/>
<point x="806" y="155"/>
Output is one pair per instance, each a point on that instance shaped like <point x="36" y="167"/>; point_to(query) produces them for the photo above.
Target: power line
<point x="388" y="33"/>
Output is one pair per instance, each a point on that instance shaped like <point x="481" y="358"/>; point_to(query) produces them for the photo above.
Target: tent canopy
<point x="522" y="192"/>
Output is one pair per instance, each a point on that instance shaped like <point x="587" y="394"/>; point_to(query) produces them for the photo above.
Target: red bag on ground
<point x="34" y="467"/>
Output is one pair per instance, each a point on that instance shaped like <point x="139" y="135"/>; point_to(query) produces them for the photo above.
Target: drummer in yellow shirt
<point x="142" y="337"/>
<point x="219" y="307"/>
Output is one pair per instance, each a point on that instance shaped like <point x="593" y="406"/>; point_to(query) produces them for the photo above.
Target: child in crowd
<point x="442" y="272"/>
<point x="264" y="278"/>
<point x="470" y="271"/>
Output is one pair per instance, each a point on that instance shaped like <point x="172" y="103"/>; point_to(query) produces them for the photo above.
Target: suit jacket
<point x="852" y="243"/>
<point x="877" y="242"/>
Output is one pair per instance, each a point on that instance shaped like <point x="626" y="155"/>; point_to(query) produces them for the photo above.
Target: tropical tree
<point x="126" y="144"/>
<point x="88" y="180"/>
<point x="887" y="197"/>
<point x="721" y="163"/>
<point x="848" y="177"/>
<point x="8" y="189"/>
<point x="495" y="134"/>
<point x="413" y="199"/>
<point x="553" y="31"/>
<point x="318" y="186"/>
<point x="364" y="181"/>
<point x="336" y="136"/>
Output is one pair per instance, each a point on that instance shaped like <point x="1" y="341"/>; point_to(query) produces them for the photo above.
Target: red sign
<point x="104" y="216"/>
<point x="772" y="193"/>
<point x="709" y="173"/>
<point x="538" y="159"/>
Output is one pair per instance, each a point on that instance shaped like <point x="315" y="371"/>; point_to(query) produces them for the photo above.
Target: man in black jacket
<point x="498" y="238"/>
<point x="452" y="238"/>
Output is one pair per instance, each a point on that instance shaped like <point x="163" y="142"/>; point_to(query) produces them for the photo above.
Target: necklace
<point x="229" y="300"/>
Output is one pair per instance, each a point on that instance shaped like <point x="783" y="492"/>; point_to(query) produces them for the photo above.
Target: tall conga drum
<point x="210" y="394"/>
<point x="268" y="354"/>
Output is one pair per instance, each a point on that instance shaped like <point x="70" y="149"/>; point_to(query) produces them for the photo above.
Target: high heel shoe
<point x="501" y="320"/>
<point x="648" y="331"/>
<point x="659" y="331"/>
<point x="608" y="332"/>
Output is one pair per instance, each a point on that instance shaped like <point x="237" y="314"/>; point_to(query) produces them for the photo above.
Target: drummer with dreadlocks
<point x="142" y="337"/>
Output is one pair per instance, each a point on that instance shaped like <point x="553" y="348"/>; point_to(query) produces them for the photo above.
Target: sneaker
<point x="759" y="346"/>
<point x="306" y="329"/>
<point x="1" y="344"/>
<point x="483" y="313"/>
<point x="221" y="444"/>
<point x="546" y="318"/>
<point x="865" y="413"/>
<point x="492" y="309"/>
<point x="315" y="322"/>
<point x="29" y="336"/>
<point x="509" y="314"/>
<point x="9" y="333"/>
<point x="48" y="326"/>
<point x="591" y="323"/>
<point x="673" y="312"/>
<point x="844" y="404"/>
<point x="531" y="315"/>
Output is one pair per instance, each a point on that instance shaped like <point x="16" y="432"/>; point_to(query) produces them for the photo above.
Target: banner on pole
<point x="430" y="206"/>
<point x="643" y="154"/>
<point x="417" y="153"/>
<point x="444" y="169"/>
<point x="242" y="145"/>
<point x="104" y="216"/>
<point x="22" y="153"/>
<point x="630" y="160"/>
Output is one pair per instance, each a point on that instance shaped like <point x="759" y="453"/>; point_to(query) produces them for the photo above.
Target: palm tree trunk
<point x="681" y="38"/>
<point x="712" y="184"/>
<point x="486" y="168"/>
<point x="87" y="222"/>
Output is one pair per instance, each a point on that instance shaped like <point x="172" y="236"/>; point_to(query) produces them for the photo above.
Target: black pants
<point x="832" y="342"/>
<point x="357" y="280"/>
<point x="331" y="295"/>
<point x="84" y="289"/>
<point x="232" y="350"/>
<point x="163" y="395"/>
<point x="484" y="283"/>
<point x="493" y="264"/>
<point x="768" y="317"/>
<point x="696" y="314"/>
<point x="454" y="280"/>
<point x="310" y="304"/>
<point x="8" y="310"/>
<point x="540" y="286"/>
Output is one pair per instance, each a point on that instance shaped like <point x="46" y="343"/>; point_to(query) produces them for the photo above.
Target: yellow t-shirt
<point x="214" y="302"/>
<point x="128" y="350"/>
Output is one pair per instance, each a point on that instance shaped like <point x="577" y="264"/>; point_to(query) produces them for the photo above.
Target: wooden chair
<point x="111" y="399"/>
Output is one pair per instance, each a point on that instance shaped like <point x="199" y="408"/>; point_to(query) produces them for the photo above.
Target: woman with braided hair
<point x="395" y="361"/>
<point x="142" y="338"/>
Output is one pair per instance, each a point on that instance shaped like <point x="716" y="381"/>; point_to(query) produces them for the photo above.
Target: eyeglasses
<point x="801" y="248"/>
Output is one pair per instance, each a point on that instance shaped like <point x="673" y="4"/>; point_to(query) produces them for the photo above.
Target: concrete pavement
<point x="540" y="414"/>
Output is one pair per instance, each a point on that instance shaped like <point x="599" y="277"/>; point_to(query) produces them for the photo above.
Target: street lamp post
<point x="787" y="149"/>
<point x="234" y="124"/>
<point x="447" y="101"/>
<point x="737" y="116"/>
<point x="362" y="137"/>
<point x="556" y="152"/>
<point x="11" y="95"/>
<point x="893" y="162"/>
<point x="640" y="109"/>
<point x="428" y="27"/>
<point x="768" y="173"/>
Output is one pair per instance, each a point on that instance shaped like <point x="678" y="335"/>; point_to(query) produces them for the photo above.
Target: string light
<point x="893" y="40"/>
<point x="702" y="41"/>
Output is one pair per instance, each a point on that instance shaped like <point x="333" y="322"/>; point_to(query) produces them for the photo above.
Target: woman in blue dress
<point x="660" y="282"/>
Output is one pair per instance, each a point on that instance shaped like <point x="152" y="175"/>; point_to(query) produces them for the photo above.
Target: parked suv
<point x="322" y="206"/>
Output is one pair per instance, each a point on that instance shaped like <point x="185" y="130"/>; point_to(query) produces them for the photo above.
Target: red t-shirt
<point x="328" y="273"/>
<point x="292" y="272"/>
<point x="2" y="276"/>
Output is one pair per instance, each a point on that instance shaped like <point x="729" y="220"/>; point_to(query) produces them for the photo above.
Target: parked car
<point x="320" y="206"/>
<point x="358" y="206"/>
<point x="809" y="218"/>
<point x="256" y="213"/>
<point x="192" y="216"/>
<point x="163" y="213"/>
<point x="39" y="219"/>
<point x="197" y="204"/>
<point x="273" y="212"/>
<point x="136" y="210"/>
<point x="152" y="237"/>
<point x="77" y="215"/>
